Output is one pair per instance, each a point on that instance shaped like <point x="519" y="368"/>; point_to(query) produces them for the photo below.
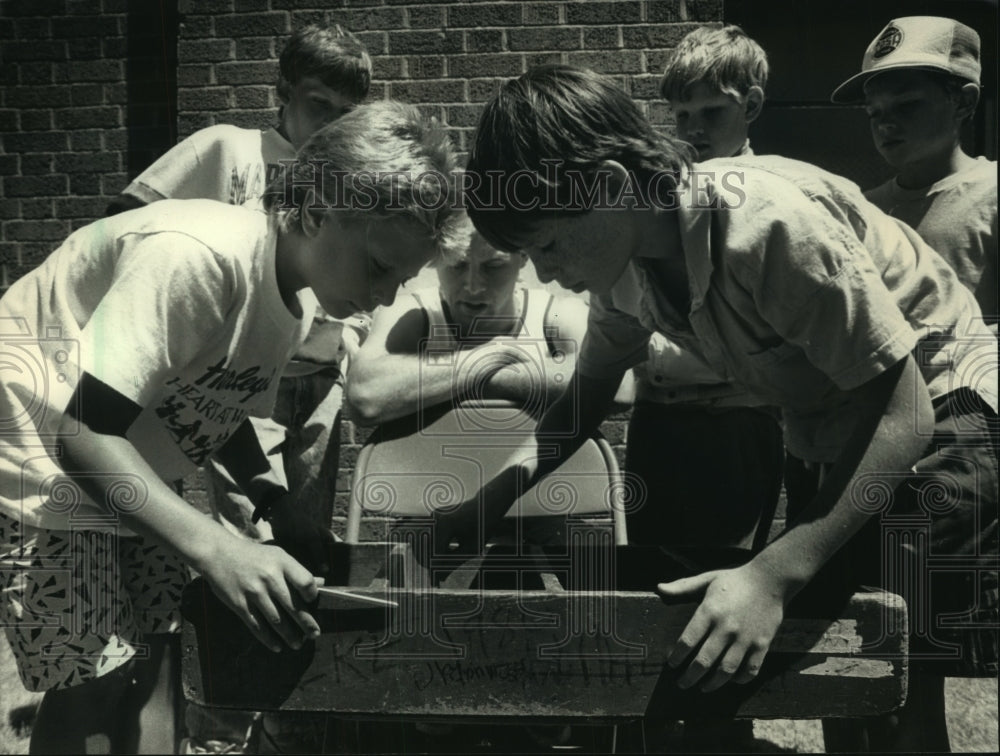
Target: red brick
<point x="255" y="48"/>
<point x="656" y="60"/>
<point x="88" y="140"/>
<point x="601" y="38"/>
<point x="36" y="208"/>
<point x="114" y="47"/>
<point x="541" y="59"/>
<point x="377" y="42"/>
<point x="115" y="139"/>
<point x="85" y="183"/>
<point x="49" y="8"/>
<point x="425" y="66"/>
<point x="36" y="141"/>
<point x="116" y="93"/>
<point x="34" y="50"/>
<point x="31" y="28"/>
<point x="35" y="73"/>
<point x="96" y="70"/>
<point x="205" y="50"/>
<point x="191" y="7"/>
<point x="250" y="119"/>
<point x="85" y="118"/>
<point x="36" y="164"/>
<point x="481" y="90"/>
<point x="656" y="35"/>
<point x="83" y="7"/>
<point x="10" y="120"/>
<point x="385" y="67"/>
<point x="96" y="26"/>
<point x="426" y="42"/>
<point x="246" y="73"/>
<point x="426" y="17"/>
<point x="697" y="10"/>
<point x="646" y="87"/>
<point x="540" y="14"/>
<point x="197" y="26"/>
<point x="94" y="162"/>
<point x="86" y="48"/>
<point x="252" y="25"/>
<point x="36" y="120"/>
<point x="480" y="14"/>
<point x="193" y="76"/>
<point x="253" y="97"/>
<point x="544" y="39"/>
<point x="87" y="94"/>
<point x="429" y="91"/>
<point x="468" y="66"/>
<point x="80" y="207"/>
<point x="484" y="41"/>
<point x="204" y="98"/>
<point x="624" y="61"/>
<point x="36" y="230"/>
<point x="463" y="115"/>
<point x="35" y="186"/>
<point x="604" y="13"/>
<point x="113" y="183"/>
<point x="377" y="19"/>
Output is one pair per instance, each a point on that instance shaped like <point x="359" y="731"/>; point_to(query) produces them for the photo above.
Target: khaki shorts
<point x="75" y="605"/>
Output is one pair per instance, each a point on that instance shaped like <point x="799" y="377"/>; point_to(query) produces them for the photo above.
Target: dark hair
<point x="332" y="54"/>
<point x="558" y="124"/>
<point x="724" y="58"/>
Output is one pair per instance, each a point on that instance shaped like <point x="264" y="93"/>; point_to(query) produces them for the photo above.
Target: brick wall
<point x="75" y="74"/>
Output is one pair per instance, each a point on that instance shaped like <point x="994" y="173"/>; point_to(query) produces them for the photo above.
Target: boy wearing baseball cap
<point x="919" y="82"/>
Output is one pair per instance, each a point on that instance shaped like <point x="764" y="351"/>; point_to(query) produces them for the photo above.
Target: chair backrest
<point x="412" y="466"/>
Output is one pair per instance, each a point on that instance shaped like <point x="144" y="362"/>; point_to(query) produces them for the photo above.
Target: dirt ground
<point x="972" y="718"/>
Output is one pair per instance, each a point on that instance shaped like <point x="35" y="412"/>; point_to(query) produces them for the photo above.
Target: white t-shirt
<point x="222" y="162"/>
<point x="176" y="306"/>
<point x="957" y="216"/>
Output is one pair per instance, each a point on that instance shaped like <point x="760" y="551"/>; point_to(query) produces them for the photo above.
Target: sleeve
<point x="191" y="169"/>
<point x="615" y="341"/>
<point x="169" y="297"/>
<point x="816" y="285"/>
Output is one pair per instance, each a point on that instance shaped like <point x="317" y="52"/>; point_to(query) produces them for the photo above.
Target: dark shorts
<point x="710" y="476"/>
<point x="932" y="540"/>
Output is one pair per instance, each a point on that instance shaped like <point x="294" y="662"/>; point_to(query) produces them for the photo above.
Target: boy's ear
<point x="618" y="176"/>
<point x="312" y="220"/>
<point x="755" y="103"/>
<point x="968" y="99"/>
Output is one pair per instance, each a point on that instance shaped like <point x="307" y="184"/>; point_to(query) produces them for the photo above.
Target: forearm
<point x="164" y="516"/>
<point x="524" y="381"/>
<point x="894" y="405"/>
<point x="395" y="386"/>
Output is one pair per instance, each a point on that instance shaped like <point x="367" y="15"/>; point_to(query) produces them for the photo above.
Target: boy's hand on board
<point x="266" y="588"/>
<point x="730" y="633"/>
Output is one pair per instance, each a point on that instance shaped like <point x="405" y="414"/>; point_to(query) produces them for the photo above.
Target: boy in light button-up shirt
<point x="785" y="280"/>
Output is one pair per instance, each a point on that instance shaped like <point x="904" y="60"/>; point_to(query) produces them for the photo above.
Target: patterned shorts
<point x="76" y="604"/>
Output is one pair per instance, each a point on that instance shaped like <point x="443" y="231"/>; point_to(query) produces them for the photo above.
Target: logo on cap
<point x="887" y="42"/>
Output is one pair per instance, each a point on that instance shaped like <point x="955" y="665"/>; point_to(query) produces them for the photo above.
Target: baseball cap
<point x="928" y="42"/>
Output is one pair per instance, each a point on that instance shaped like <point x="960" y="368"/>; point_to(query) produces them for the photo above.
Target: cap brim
<point x="852" y="91"/>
